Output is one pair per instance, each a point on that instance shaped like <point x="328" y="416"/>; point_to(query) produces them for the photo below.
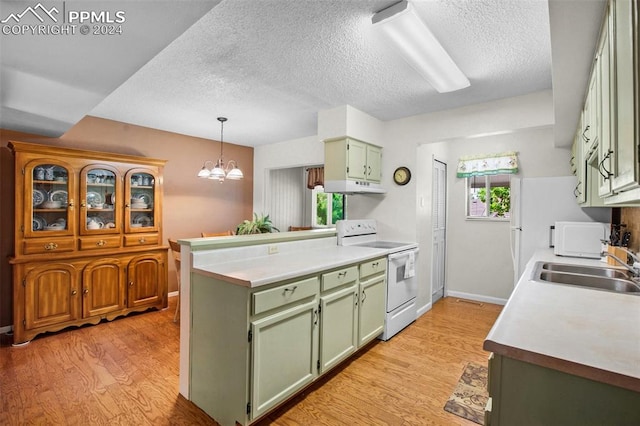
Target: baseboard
<point x="423" y="310"/>
<point x="6" y="329"/>
<point x="173" y="293"/>
<point x="476" y="297"/>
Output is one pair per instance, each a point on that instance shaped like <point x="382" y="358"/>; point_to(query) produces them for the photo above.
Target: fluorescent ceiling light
<point x="418" y="46"/>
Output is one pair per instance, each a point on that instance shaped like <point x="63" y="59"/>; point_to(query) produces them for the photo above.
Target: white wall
<point x="523" y="124"/>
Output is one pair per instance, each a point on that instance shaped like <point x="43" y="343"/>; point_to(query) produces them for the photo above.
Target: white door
<point x="439" y="229"/>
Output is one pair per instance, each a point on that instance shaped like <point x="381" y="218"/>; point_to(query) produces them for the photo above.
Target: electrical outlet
<point x="273" y="249"/>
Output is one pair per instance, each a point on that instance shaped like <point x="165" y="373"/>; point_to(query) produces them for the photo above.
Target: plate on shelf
<point x="39" y="197"/>
<point x="94" y="198"/>
<point x="39" y="223"/>
<point x="142" y="219"/>
<point x="59" y="195"/>
<point x="144" y="197"/>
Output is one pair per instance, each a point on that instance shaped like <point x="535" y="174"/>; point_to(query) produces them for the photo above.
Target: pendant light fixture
<point x="219" y="170"/>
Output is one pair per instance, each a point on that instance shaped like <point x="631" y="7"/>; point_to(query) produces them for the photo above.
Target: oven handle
<point x="402" y="254"/>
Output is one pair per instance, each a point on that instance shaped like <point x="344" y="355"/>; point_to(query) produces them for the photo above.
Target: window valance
<point x="315" y="177"/>
<point x="481" y="165"/>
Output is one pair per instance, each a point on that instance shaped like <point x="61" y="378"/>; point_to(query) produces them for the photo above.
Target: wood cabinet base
<point x="52" y="295"/>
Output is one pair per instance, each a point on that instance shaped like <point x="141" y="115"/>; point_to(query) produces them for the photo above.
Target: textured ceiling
<point x="271" y="65"/>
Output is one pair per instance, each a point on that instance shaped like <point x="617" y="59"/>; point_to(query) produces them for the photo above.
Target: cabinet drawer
<point x="266" y="300"/>
<point x="373" y="267"/>
<point x="95" y="243"/>
<point x="338" y="278"/>
<point x="49" y="245"/>
<point x="140" y="240"/>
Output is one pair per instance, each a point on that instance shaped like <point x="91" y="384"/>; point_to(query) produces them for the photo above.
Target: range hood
<point x="353" y="187"/>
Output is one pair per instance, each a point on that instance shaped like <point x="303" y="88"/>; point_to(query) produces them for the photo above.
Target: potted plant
<point x="259" y="225"/>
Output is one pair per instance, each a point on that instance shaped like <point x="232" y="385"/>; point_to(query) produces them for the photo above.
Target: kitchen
<point x="522" y="123"/>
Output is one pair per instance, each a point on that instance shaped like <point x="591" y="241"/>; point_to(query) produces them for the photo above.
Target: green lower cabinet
<point x="371" y="311"/>
<point x="338" y="326"/>
<point x="252" y="349"/>
<point x="527" y="394"/>
<point x="284" y="355"/>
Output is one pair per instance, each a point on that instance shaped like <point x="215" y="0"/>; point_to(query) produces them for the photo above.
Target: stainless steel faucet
<point x="635" y="269"/>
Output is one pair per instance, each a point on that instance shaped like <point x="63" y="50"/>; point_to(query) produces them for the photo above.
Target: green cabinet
<point x="371" y="309"/>
<point x="253" y="348"/>
<point x="625" y="143"/>
<point x="338" y="327"/>
<point x="352" y="159"/>
<point x="283" y="356"/>
<point x="521" y="393"/>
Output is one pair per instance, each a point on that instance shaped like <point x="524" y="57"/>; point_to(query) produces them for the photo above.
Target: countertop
<point x="586" y="332"/>
<point x="259" y="271"/>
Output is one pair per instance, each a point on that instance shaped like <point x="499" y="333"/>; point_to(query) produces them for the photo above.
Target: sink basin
<point x="587" y="270"/>
<point x="607" y="279"/>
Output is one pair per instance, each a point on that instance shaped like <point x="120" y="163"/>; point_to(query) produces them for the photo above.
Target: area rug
<point x="470" y="395"/>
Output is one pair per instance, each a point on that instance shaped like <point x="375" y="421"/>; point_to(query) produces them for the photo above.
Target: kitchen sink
<point x="600" y="278"/>
<point x="587" y="270"/>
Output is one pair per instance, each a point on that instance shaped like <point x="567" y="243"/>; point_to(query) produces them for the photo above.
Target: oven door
<point x="400" y="289"/>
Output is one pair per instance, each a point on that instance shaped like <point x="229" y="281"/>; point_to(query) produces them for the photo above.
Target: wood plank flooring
<point x="125" y="372"/>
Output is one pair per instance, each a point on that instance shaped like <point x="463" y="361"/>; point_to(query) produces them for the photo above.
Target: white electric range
<point x="402" y="282"/>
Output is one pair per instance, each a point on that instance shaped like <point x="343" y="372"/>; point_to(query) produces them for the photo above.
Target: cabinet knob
<point x="50" y="246"/>
<point x="74" y="292"/>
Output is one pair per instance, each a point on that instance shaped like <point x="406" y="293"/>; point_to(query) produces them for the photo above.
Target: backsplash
<point x="630" y="216"/>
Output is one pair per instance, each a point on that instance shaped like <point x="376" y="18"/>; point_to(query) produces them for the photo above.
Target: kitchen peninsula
<point x="264" y="316"/>
<point x="563" y="354"/>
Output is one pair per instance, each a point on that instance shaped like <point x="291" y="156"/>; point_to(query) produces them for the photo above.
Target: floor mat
<point x="470" y="395"/>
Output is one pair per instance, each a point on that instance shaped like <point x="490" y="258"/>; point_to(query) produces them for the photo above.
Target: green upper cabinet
<point x="625" y="142"/>
<point x="352" y="159"/>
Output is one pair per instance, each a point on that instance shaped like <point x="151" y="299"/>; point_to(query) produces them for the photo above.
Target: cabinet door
<point x="625" y="143"/>
<point x="51" y="295"/>
<point x="374" y="163"/>
<point x="100" y="200"/>
<point x="371" y="310"/>
<point x="580" y="191"/>
<point x="356" y="160"/>
<point x="283" y="355"/>
<point x="103" y="287"/>
<point x="604" y="86"/>
<point x="338" y="326"/>
<point x="146" y="277"/>
<point x="49" y="190"/>
<point x="142" y="198"/>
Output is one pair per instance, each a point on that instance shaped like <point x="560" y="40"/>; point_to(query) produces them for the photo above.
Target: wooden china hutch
<point x="88" y="237"/>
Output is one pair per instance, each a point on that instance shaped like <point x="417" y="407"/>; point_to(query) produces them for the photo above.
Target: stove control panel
<point x="352" y="228"/>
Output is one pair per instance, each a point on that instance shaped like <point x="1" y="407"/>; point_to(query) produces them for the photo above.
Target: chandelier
<point x="218" y="170"/>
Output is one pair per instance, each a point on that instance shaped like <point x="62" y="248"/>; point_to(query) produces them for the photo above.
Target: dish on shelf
<point x="59" y="195"/>
<point x="38" y="223"/>
<point x="143" y="197"/>
<point x="94" y="198"/>
<point x="38" y="197"/>
<point x="142" y="220"/>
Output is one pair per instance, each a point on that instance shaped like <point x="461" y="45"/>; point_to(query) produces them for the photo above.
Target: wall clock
<point x="402" y="175"/>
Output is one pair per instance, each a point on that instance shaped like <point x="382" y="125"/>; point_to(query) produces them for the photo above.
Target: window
<point x="489" y="196"/>
<point x="327" y="208"/>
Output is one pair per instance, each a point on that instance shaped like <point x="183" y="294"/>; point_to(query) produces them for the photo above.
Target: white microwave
<point x="580" y="239"/>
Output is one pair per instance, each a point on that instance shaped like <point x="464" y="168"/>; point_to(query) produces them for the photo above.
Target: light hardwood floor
<point x="125" y="372"/>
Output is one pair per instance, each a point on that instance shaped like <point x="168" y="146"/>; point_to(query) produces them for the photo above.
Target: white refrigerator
<point x="536" y="204"/>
